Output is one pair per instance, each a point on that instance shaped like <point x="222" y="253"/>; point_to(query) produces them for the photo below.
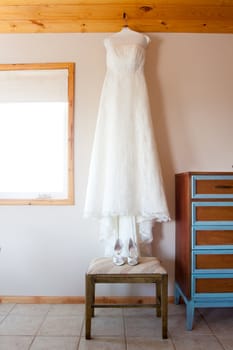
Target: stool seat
<point x="147" y="265"/>
<point x="149" y="270"/>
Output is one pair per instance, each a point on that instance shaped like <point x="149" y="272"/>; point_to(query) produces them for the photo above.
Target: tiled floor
<point x="61" y="327"/>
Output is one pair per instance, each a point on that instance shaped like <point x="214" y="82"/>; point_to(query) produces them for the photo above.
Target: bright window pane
<point x="33" y="150"/>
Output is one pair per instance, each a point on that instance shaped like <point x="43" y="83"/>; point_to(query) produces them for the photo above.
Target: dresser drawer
<point x="213" y="285"/>
<point x="217" y="213"/>
<point x="204" y="186"/>
<point x="211" y="260"/>
<point x="214" y="261"/>
<point x="211" y="237"/>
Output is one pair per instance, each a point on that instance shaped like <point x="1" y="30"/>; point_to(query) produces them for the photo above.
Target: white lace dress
<point x="125" y="189"/>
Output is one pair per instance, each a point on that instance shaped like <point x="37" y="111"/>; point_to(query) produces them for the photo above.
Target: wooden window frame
<point x="70" y="149"/>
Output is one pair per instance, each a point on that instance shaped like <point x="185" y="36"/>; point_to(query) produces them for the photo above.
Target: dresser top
<point x="206" y="173"/>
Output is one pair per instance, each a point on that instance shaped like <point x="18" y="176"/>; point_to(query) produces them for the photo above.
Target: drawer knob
<point x="224" y="186"/>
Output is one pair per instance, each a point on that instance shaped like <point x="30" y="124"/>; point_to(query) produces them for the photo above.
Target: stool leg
<point x="158" y="298"/>
<point x="89" y="304"/>
<point x="164" y="301"/>
<point x="93" y="300"/>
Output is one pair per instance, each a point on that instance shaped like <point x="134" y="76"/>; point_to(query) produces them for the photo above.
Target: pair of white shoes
<point x="132" y="258"/>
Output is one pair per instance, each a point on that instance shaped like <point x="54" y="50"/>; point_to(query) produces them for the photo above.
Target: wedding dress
<point x="125" y="188"/>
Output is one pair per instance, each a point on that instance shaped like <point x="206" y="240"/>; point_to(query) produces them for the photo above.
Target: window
<point x="36" y="133"/>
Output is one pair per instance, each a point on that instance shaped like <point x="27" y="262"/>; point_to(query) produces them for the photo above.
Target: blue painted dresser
<point x="204" y="241"/>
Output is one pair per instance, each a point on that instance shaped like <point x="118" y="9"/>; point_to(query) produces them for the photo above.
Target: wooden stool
<point x="149" y="270"/>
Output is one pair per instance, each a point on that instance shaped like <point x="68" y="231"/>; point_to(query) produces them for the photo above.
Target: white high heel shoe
<point x="133" y="253"/>
<point x="117" y="257"/>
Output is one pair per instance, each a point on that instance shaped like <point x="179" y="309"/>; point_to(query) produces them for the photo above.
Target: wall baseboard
<point x="77" y="300"/>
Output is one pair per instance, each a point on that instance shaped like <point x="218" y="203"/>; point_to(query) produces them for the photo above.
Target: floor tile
<point x="215" y="314"/>
<point x="66" y="309"/>
<point x="142" y="312"/>
<point x="220" y="321"/>
<point x="55" y="343"/>
<point x="2" y="317"/>
<point x="172" y="310"/>
<point x="176" y="309"/>
<point x="102" y="343"/>
<point x="145" y="343"/>
<point x="226" y="342"/>
<point x="62" y="326"/>
<point x="107" y="326"/>
<point x="15" y="342"/>
<point x="108" y="311"/>
<point x="58" y="327"/>
<point x="149" y="326"/>
<point x="30" y="309"/>
<point x="6" y="308"/>
<point x="222" y="330"/>
<point x="20" y="325"/>
<point x="177" y="325"/>
<point x="196" y="342"/>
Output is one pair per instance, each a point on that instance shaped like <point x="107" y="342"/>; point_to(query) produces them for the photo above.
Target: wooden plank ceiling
<point x="59" y="16"/>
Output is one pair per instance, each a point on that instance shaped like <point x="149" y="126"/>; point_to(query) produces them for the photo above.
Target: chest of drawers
<point x="204" y="241"/>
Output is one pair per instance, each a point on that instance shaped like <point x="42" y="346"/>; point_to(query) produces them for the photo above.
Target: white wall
<point x="46" y="250"/>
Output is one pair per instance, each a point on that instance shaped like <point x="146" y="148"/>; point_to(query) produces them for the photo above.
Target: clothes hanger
<point x="127" y="30"/>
